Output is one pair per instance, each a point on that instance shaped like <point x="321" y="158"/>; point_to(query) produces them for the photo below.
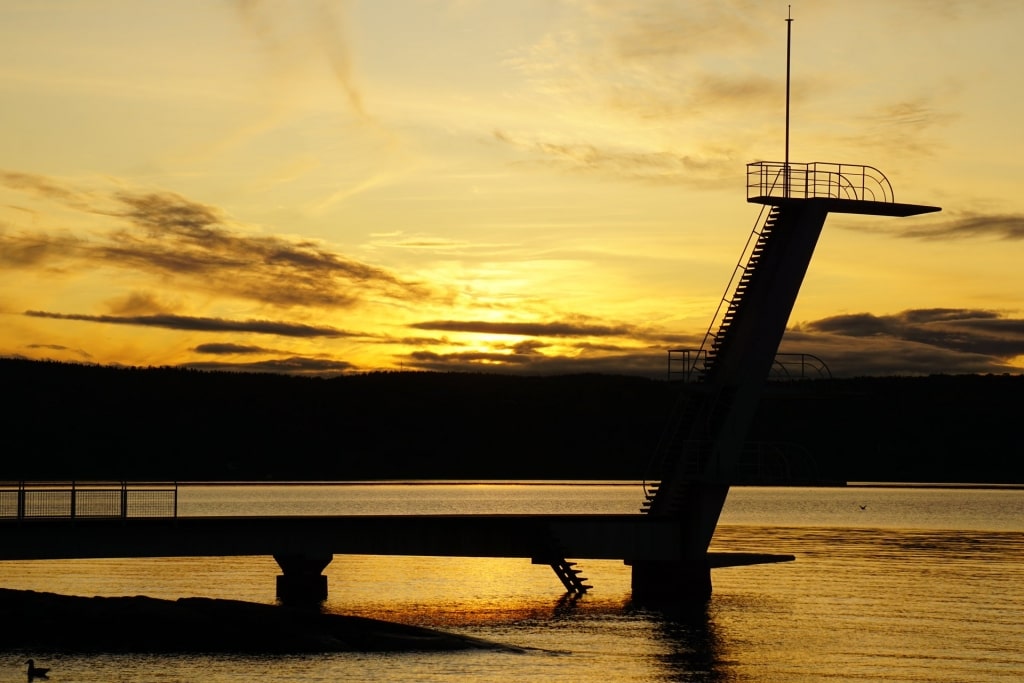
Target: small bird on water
<point x="35" y="672"/>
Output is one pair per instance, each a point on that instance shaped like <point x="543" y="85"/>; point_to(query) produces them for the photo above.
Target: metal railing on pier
<point x="69" y="500"/>
<point x="689" y="365"/>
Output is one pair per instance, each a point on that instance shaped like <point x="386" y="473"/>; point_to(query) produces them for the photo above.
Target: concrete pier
<point x="671" y="582"/>
<point x="302" y="580"/>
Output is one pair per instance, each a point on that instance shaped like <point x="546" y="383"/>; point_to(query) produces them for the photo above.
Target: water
<point x="893" y="584"/>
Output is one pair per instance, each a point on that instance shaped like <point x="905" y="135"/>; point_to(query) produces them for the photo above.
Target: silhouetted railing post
<point x="124" y="499"/>
<point x="21" y="500"/>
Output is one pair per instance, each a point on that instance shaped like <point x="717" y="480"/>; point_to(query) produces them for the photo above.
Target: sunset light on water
<point x="878" y="593"/>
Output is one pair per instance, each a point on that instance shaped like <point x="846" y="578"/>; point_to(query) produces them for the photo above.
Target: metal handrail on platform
<point x="689" y="365"/>
<point x="817" y="179"/>
<point x="70" y="500"/>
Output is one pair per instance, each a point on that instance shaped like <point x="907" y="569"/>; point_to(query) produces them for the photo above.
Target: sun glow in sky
<point x="535" y="186"/>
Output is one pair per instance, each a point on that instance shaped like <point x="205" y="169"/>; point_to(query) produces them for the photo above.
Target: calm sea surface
<point x="890" y="584"/>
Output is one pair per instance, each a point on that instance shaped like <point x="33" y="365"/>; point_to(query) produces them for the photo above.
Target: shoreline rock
<point x="48" y="621"/>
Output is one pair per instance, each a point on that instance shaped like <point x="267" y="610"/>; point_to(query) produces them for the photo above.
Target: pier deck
<point x="614" y="537"/>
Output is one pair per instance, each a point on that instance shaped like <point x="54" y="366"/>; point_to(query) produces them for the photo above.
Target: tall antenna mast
<point x="789" y="42"/>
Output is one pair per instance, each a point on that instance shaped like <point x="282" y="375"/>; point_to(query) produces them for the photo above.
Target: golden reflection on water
<point x="874" y="604"/>
<point x="448" y="592"/>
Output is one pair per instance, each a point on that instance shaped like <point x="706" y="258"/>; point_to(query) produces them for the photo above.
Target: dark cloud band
<point x="180" y="322"/>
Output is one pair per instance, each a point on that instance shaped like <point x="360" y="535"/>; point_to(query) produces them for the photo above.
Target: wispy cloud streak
<point x="195" y="324"/>
<point x="228" y="349"/>
<point x="285" y="366"/>
<point x="545" y="329"/>
<point x="654" y="166"/>
<point x="962" y="225"/>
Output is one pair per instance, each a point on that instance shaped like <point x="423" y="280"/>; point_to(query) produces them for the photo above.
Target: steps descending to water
<point x="570" y="577"/>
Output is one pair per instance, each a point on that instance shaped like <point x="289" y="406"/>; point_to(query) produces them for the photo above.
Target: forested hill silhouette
<point x="66" y="421"/>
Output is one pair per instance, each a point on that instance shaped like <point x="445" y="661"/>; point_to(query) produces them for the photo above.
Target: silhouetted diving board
<point x="718" y="560"/>
<point x="857" y="206"/>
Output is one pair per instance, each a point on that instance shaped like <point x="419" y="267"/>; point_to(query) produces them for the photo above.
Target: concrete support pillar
<point x="671" y="582"/>
<point x="302" y="581"/>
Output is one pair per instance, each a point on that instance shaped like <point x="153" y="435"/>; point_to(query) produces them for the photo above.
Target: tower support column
<point x="302" y="580"/>
<point x="671" y="582"/>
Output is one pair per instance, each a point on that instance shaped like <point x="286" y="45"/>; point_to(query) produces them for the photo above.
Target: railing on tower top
<point x="818" y="179"/>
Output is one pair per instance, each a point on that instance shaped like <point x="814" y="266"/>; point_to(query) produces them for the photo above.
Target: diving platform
<point x="828" y="186"/>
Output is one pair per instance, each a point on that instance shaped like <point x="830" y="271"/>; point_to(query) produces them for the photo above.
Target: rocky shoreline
<point x="52" y="622"/>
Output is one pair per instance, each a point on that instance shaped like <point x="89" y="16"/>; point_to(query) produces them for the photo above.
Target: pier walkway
<point x="71" y="521"/>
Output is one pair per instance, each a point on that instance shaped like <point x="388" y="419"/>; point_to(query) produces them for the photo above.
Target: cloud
<point x="912" y="342"/>
<point x="196" y="324"/>
<point x="972" y="331"/>
<point x="682" y="103"/>
<point x="621" y="349"/>
<point x="59" y="347"/>
<point x="654" y="67"/>
<point x="137" y="303"/>
<point x="643" y="363"/>
<point x="665" y="29"/>
<point x="660" y="166"/>
<point x="419" y="341"/>
<point x="183" y="237"/>
<point x="194" y="245"/>
<point x="616" y="36"/>
<point x="919" y="341"/>
<point x="30" y="250"/>
<point x="737" y="92"/>
<point x="402" y="241"/>
<point x="292" y="33"/>
<point x="906" y="127"/>
<point x="285" y="366"/>
<point x="559" y="329"/>
<point x="888" y="356"/>
<point x="230" y="349"/>
<point x="41" y="186"/>
<point x="962" y="225"/>
<point x="528" y="347"/>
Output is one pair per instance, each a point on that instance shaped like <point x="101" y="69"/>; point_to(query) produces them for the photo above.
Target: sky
<point x="323" y="187"/>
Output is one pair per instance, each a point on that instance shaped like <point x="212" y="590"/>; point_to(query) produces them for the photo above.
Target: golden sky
<point x="536" y="186"/>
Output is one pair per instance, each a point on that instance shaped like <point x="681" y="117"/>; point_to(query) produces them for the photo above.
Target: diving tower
<point x="690" y="474"/>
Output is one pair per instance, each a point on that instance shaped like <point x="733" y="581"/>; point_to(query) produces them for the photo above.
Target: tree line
<point x="72" y="421"/>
